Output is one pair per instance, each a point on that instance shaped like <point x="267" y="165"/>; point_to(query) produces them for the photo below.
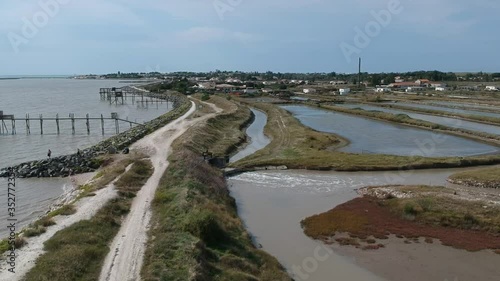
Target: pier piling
<point x="102" y="124"/>
<point x="72" y="116"/>
<point x="28" y="129"/>
<point x="41" y="124"/>
<point x="57" y="124"/>
<point x="88" y="125"/>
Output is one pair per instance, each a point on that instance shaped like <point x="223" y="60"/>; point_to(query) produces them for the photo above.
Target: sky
<point x="47" y="37"/>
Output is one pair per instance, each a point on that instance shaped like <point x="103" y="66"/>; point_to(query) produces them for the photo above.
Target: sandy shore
<point x="26" y="256"/>
<point x="82" y="179"/>
<point x="399" y="261"/>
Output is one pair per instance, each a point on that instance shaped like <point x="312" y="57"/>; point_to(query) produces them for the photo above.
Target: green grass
<point x="66" y="210"/>
<point x="78" y="251"/>
<point x="485" y="177"/>
<point x="196" y="233"/>
<point x="225" y="134"/>
<point x="136" y="177"/>
<point x="299" y="147"/>
<point x="430" y="207"/>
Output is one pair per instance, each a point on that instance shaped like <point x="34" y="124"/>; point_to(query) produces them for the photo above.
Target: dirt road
<point x="125" y="258"/>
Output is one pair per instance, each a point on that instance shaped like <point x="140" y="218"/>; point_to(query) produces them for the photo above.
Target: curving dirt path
<point x="124" y="261"/>
<point x="86" y="208"/>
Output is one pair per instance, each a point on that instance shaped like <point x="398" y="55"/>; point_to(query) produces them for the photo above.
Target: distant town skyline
<point x="68" y="37"/>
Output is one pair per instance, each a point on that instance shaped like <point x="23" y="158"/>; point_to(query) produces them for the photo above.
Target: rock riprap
<point x="88" y="160"/>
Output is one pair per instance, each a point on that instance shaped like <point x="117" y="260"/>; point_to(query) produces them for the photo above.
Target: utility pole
<point x="359" y="74"/>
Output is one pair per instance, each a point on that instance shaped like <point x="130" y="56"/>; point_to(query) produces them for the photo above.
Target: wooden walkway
<point x="11" y="128"/>
<point x="121" y="95"/>
<point x="113" y="95"/>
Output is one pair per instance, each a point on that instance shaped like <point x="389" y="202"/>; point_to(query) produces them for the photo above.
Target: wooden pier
<point x="113" y="95"/>
<point x="4" y="120"/>
<point x="121" y="95"/>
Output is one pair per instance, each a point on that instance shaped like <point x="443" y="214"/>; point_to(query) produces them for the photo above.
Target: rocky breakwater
<point x="89" y="159"/>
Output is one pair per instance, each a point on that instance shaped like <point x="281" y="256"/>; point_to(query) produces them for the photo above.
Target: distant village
<point x="289" y="84"/>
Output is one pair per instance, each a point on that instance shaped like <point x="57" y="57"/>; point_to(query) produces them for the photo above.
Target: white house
<point x="413" y="89"/>
<point x="233" y="80"/>
<point x="338" y="82"/>
<point x="491" y="88"/>
<point x="250" y="91"/>
<point x="382" y="90"/>
<point x="438" y="85"/>
<point x="207" y="85"/>
<point x="344" y="92"/>
<point x="423" y="82"/>
<point x="309" y="91"/>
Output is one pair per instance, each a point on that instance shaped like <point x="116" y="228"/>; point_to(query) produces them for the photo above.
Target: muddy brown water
<point x="272" y="204"/>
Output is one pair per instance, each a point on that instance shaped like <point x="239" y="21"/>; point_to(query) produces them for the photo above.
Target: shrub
<point x="470" y="220"/>
<point x="204" y="225"/>
<point x="45" y="222"/>
<point x="65" y="210"/>
<point x="34" y="231"/>
<point x="205" y="97"/>
<point x="426" y="204"/>
<point x="410" y="210"/>
<point x="19" y="242"/>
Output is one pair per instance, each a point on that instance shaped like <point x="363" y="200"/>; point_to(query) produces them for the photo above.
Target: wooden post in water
<point x="88" y="125"/>
<point x="72" y="116"/>
<point x="114" y="115"/>
<point x="28" y="129"/>
<point x="129" y="123"/>
<point x="41" y="124"/>
<point x="57" y="124"/>
<point x="13" y="126"/>
<point x="102" y="124"/>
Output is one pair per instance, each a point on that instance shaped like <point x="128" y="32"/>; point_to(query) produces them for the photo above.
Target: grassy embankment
<point x="196" y="233"/>
<point x="78" y="251"/>
<point x="442" y="113"/>
<point x="299" y="147"/>
<point x="225" y="133"/>
<point x="406" y="120"/>
<point x="463" y="106"/>
<point x="424" y="211"/>
<point x="483" y="178"/>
